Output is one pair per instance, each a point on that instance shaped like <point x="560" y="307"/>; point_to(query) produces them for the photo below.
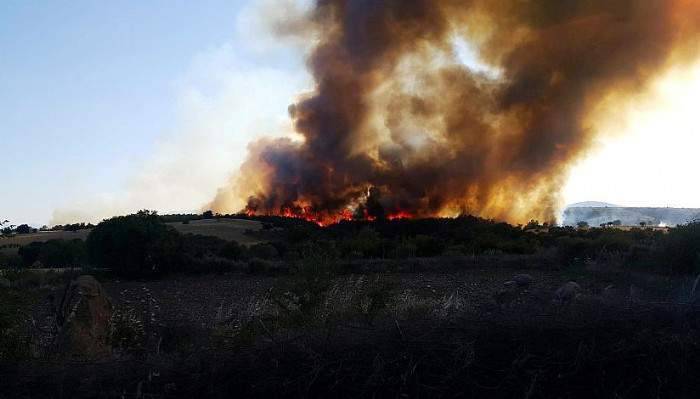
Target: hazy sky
<point x="110" y="107"/>
<point x="94" y="93"/>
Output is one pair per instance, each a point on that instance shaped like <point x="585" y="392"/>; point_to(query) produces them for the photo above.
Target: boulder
<point x="567" y="293"/>
<point x="523" y="280"/>
<point x="84" y="318"/>
<point x="510" y="284"/>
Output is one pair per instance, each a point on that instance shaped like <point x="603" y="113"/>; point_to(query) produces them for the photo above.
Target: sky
<point x="111" y="107"/>
<point x="115" y="106"/>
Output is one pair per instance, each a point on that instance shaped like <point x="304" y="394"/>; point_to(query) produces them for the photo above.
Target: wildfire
<point x="395" y="107"/>
<point x="400" y="215"/>
<point x="324" y="219"/>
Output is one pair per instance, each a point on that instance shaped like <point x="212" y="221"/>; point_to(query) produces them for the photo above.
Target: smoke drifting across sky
<point x="395" y="109"/>
<point x="228" y="95"/>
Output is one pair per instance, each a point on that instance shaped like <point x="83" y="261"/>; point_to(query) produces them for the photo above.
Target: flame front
<point x="399" y="125"/>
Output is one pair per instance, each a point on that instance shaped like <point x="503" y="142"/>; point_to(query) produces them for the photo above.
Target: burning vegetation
<point x="399" y="125"/>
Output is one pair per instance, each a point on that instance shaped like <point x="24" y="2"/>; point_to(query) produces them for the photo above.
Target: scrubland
<point x="402" y="309"/>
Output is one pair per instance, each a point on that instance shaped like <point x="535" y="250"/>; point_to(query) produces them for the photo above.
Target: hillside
<point x="226" y="229"/>
<point x="629" y="216"/>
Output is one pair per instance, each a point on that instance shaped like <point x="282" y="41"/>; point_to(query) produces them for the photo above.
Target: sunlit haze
<point x="649" y="155"/>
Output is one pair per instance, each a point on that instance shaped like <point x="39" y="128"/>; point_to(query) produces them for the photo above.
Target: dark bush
<point x="233" y="251"/>
<point x="680" y="249"/>
<point x="200" y="246"/>
<point x="428" y="246"/>
<point x="366" y="242"/>
<point x="325" y="248"/>
<point x="24" y="229"/>
<point x="30" y="253"/>
<point x="211" y="265"/>
<point x="263" y="251"/>
<point x="259" y="266"/>
<point x="570" y="249"/>
<point x="134" y="246"/>
<point x="60" y="253"/>
<point x="10" y="261"/>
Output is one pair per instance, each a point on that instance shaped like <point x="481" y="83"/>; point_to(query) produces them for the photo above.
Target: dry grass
<point x="226" y="229"/>
<point x="382" y="335"/>
<point x="10" y="245"/>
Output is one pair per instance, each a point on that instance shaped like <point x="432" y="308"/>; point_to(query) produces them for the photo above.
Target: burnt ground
<point x="430" y="334"/>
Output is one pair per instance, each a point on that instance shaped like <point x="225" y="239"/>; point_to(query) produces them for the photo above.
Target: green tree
<point x="30" y="253"/>
<point x="133" y="246"/>
<point x="24" y="229"/>
<point x="681" y="248"/>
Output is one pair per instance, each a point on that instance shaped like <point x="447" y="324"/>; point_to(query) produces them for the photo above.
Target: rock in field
<point x="567" y="293"/>
<point x="84" y="318"/>
<point x="523" y="280"/>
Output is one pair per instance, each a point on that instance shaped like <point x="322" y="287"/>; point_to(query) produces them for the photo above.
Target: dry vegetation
<point x="377" y="334"/>
<point x="436" y="308"/>
<point x="225" y="229"/>
<point x="11" y="244"/>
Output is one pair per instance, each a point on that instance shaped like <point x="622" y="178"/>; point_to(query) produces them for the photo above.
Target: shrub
<point x="233" y="251"/>
<point x="403" y="249"/>
<point x="134" y="246"/>
<point x="126" y="330"/>
<point x="30" y="253"/>
<point x="54" y="253"/>
<point x="14" y="343"/>
<point x="263" y="251"/>
<point x="211" y="265"/>
<point x="571" y="248"/>
<point x="374" y="299"/>
<point x="258" y="266"/>
<point x="366" y="242"/>
<point x="10" y="261"/>
<point x="24" y="229"/>
<point x="200" y="246"/>
<point x="680" y="249"/>
<point x="428" y="246"/>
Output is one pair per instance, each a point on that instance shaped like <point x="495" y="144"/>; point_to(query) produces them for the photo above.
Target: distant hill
<point x="593" y="204"/>
<point x="597" y="213"/>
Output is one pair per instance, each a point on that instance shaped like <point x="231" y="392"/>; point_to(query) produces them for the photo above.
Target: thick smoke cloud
<point x="399" y="125"/>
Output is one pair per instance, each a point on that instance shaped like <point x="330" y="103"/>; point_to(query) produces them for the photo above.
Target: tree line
<point x="143" y="245"/>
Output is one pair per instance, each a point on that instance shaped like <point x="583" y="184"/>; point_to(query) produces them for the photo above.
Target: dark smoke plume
<point x="399" y="126"/>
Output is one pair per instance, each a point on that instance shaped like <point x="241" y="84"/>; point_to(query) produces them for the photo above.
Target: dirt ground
<point x="210" y="300"/>
<point x="453" y="329"/>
